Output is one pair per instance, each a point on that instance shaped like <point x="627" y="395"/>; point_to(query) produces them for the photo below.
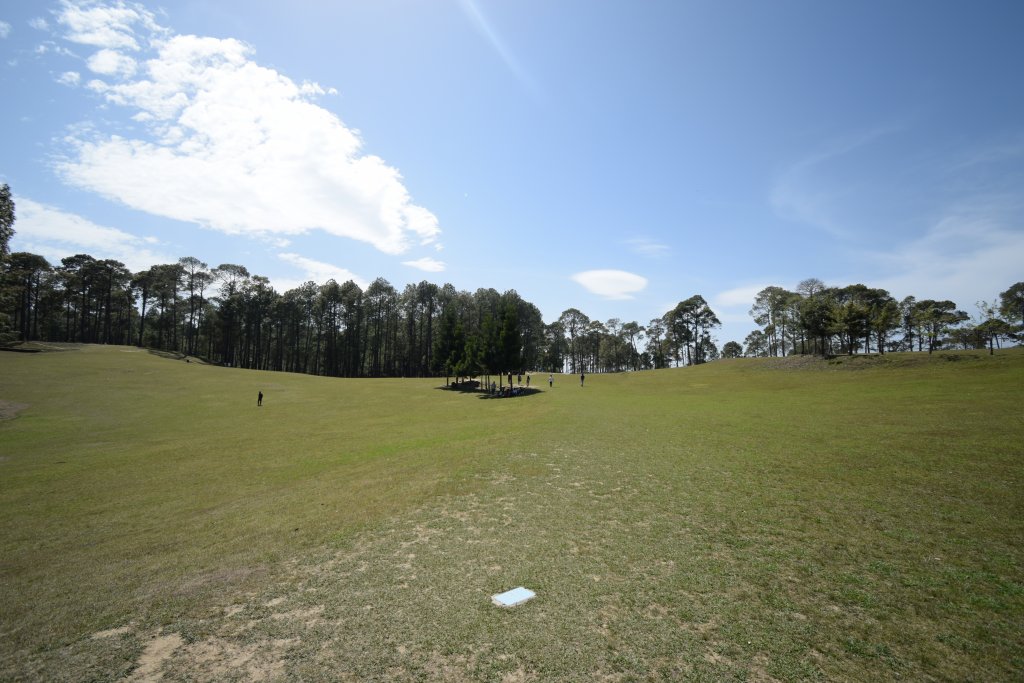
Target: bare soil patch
<point x="10" y="410"/>
<point x="153" y="657"/>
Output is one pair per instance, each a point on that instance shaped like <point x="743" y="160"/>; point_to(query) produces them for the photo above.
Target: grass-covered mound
<point x="748" y="520"/>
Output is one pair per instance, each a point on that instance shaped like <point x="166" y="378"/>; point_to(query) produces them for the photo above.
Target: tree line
<point x="227" y="315"/>
<point x="816" y="319"/>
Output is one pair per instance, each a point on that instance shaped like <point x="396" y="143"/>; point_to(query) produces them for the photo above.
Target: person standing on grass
<point x="551" y="381"/>
<point x="582" y="377"/>
<point x="527" y="380"/>
<point x="259" y="400"/>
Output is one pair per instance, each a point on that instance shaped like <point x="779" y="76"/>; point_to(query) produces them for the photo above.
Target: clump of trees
<point x="816" y="319"/>
<point x="681" y="336"/>
<point x="7" y="217"/>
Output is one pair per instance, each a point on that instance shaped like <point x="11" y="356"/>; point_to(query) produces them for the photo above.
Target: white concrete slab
<point x="516" y="596"/>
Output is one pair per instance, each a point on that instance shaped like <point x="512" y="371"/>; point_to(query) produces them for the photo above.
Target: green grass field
<point x="751" y="520"/>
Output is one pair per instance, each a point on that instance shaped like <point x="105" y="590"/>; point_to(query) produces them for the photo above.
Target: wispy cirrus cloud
<point x="55" y="234"/>
<point x="802" y="193"/>
<point x="648" y="247"/>
<point x="939" y="220"/>
<point x="611" y="284"/>
<point x="230" y="145"/>
<point x="971" y="253"/>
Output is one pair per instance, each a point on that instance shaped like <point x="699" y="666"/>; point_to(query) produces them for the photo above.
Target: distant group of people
<point x="505" y="391"/>
<point x="520" y="379"/>
<point x="515" y="390"/>
<point x="551" y="379"/>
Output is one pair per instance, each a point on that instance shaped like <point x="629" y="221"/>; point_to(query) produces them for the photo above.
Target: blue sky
<point x="616" y="157"/>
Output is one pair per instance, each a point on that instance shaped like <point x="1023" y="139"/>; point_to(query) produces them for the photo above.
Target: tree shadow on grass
<point x="474" y="387"/>
<point x="517" y="392"/>
<point x="39" y="347"/>
<point x="172" y="355"/>
<point x="176" y="355"/>
<point x="467" y="387"/>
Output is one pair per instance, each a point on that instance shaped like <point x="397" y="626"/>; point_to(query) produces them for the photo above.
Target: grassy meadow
<point x="749" y="520"/>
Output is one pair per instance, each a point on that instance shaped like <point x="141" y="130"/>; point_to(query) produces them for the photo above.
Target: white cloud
<point x="426" y="264"/>
<point x="107" y="26"/>
<point x="5" y="29"/>
<point x="112" y="63"/>
<point x="48" y="46"/>
<point x="70" y="78"/>
<point x="648" y="247"/>
<point x="317" y="271"/>
<point x="611" y="284"/>
<point x="55" y="234"/>
<point x="235" y="146"/>
<point x="38" y="23"/>
<point x="310" y="88"/>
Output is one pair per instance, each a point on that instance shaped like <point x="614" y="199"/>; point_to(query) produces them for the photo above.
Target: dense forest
<point x="227" y="315"/>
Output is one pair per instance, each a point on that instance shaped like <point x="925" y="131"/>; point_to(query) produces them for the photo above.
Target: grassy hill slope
<point x="749" y="520"/>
